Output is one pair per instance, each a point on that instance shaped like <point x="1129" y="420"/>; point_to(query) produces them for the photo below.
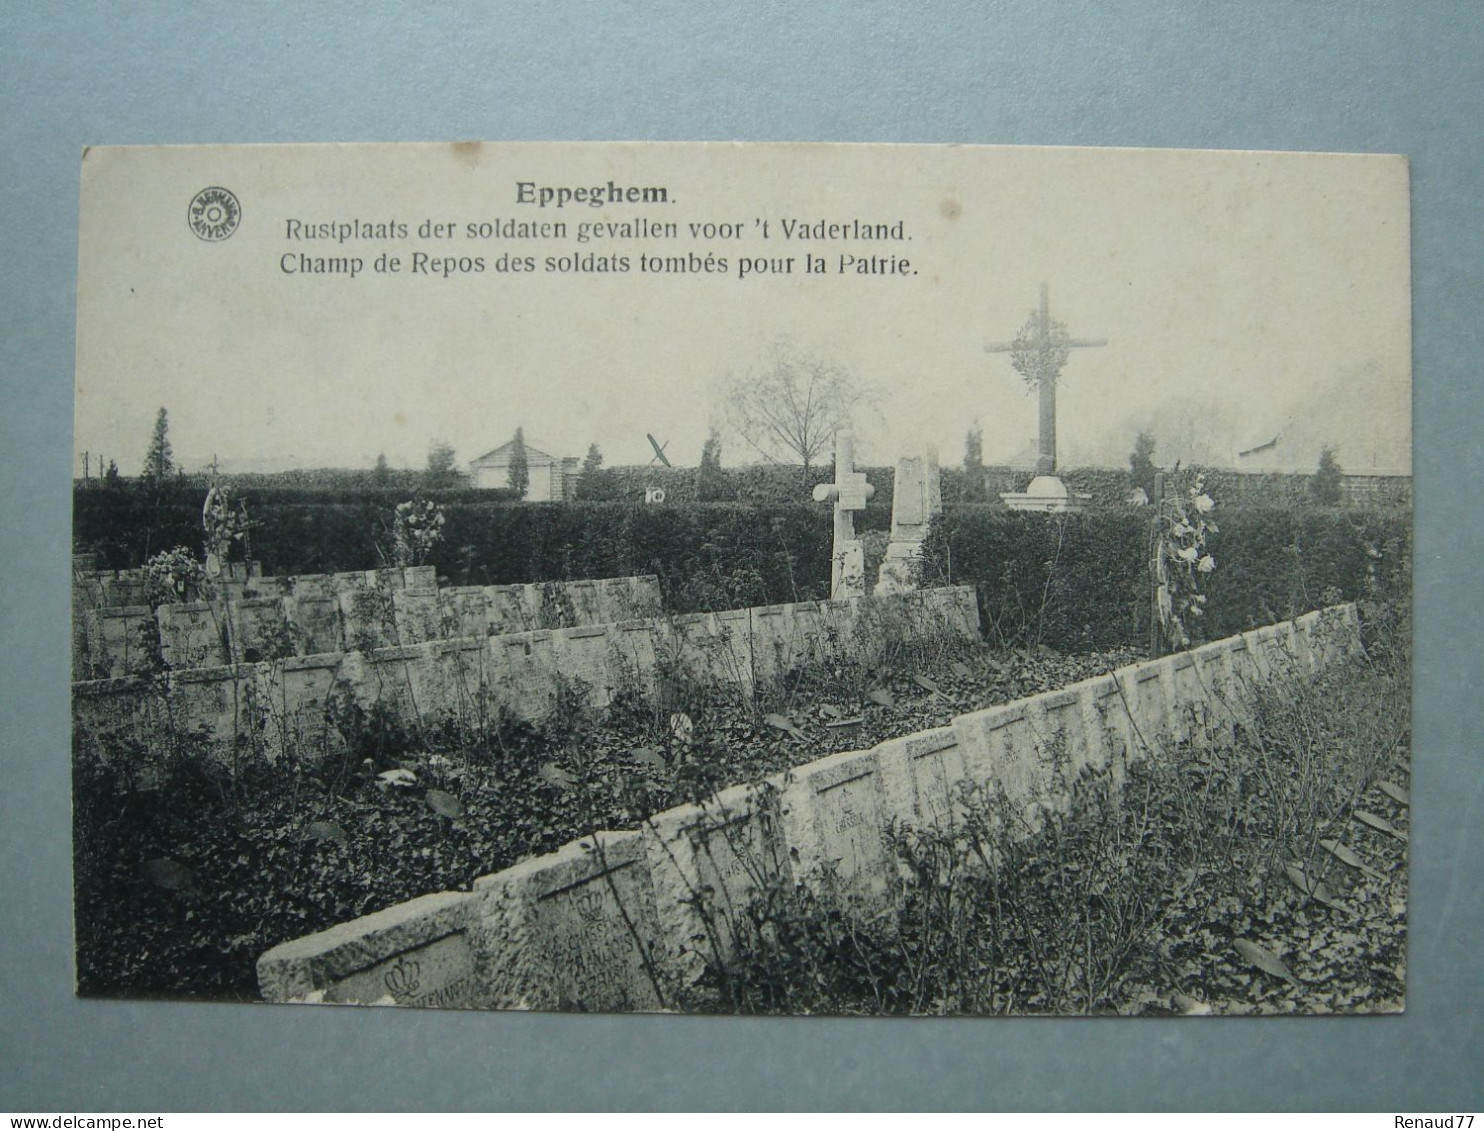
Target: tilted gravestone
<point x="921" y="773"/>
<point x="571" y="930"/>
<point x="707" y="864"/>
<point x="1002" y="754"/>
<point x="417" y="953"/>
<point x="834" y="814"/>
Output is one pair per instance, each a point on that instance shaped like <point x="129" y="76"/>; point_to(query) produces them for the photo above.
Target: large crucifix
<point x="1038" y="353"/>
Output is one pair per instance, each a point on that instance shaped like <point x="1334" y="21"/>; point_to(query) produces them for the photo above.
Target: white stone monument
<point x="849" y="492"/>
<point x="1048" y="495"/>
<point x="917" y="496"/>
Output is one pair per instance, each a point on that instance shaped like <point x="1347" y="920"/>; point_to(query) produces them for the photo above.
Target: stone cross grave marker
<point x="849" y="492"/>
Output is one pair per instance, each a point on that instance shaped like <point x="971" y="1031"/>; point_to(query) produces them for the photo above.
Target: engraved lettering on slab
<point x="930" y="779"/>
<point x="440" y="973"/>
<point x="595" y="960"/>
<point x="849" y="824"/>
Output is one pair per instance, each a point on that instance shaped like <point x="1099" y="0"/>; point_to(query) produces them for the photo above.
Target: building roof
<point x="534" y="455"/>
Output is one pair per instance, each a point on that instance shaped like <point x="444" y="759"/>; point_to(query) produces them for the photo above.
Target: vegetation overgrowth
<point x="1258" y="868"/>
<point x="185" y="870"/>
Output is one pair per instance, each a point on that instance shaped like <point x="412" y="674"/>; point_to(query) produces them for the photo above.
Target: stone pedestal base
<point x="1046" y="495"/>
<point x="848" y="575"/>
<point x="896" y="574"/>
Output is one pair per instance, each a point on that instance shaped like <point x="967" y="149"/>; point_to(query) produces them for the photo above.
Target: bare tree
<point x="790" y="407"/>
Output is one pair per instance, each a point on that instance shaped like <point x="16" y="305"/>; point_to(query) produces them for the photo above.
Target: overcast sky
<point x="1242" y="295"/>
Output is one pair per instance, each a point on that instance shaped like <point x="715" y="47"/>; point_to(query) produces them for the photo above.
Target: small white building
<point x="553" y="478"/>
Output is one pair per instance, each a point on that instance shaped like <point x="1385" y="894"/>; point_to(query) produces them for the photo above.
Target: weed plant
<point x="1213" y="877"/>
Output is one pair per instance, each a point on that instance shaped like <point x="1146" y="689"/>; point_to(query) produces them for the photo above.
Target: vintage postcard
<point x="743" y="578"/>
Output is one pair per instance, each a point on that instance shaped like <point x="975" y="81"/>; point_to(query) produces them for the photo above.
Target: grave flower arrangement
<point x="223" y="521"/>
<point x="1181" y="560"/>
<point x="417" y="526"/>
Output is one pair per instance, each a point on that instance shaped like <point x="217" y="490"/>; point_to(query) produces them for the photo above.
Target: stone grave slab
<point x="418" y="615"/>
<point x="1189" y="703"/>
<point x="259" y="630"/>
<point x="368" y="617"/>
<point x="416" y="953"/>
<point x="296" y="694"/>
<point x="513" y="608"/>
<point x="218" y="702"/>
<point x="191" y="635"/>
<point x="1001" y="752"/>
<point x="1106" y="722"/>
<point x="115" y="640"/>
<point x="733" y="659"/>
<point x="1147" y="696"/>
<point x="582" y="654"/>
<point x="313" y="585"/>
<point x="634" y="655"/>
<point x="833" y="816"/>
<point x="125" y="589"/>
<point x="916" y="498"/>
<point x="318" y="623"/>
<point x="921" y="775"/>
<point x="1214" y="665"/>
<point x="573" y="930"/>
<point x="1061" y="733"/>
<point x="466" y="611"/>
<point x="109" y="717"/>
<point x="399" y="677"/>
<point x="707" y="863"/>
<point x="461" y="670"/>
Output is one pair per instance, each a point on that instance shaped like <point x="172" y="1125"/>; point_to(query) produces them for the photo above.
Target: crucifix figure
<point x="849" y="492"/>
<point x="1038" y="353"/>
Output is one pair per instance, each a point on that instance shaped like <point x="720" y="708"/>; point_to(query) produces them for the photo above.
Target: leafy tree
<point x="1141" y="469"/>
<point x="1328" y="483"/>
<point x="791" y="406"/>
<point x="593" y="461"/>
<point x="520" y="467"/>
<point x="157" y="460"/>
<point x="974" y="463"/>
<point x="383" y="472"/>
<point x="111" y="477"/>
<point x="440" y="471"/>
<point x="711" y="484"/>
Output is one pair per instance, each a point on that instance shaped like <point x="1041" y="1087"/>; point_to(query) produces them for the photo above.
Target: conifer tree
<point x="1328" y="483"/>
<point x="710" y="482"/>
<point x="157" y="461"/>
<point x="974" y="464"/>
<point x="520" y="467"/>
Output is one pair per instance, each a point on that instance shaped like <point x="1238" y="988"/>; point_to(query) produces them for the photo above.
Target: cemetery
<point x="374" y="786"/>
<point x="1029" y="753"/>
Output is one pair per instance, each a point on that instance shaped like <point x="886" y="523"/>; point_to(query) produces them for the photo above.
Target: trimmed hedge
<point x="707" y="556"/>
<point x="1080" y="582"/>
<point x="1075" y="584"/>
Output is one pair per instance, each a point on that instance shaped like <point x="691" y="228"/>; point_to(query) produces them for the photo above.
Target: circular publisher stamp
<point x="214" y="214"/>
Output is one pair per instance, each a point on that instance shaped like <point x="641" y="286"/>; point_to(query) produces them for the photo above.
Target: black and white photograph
<point x="719" y="578"/>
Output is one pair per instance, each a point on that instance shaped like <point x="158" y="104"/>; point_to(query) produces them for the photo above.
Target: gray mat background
<point x="1373" y="77"/>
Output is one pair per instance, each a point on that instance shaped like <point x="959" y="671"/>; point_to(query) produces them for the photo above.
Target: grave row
<point x="291" y="706"/>
<point x="618" y="921"/>
<point x="313" y="614"/>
